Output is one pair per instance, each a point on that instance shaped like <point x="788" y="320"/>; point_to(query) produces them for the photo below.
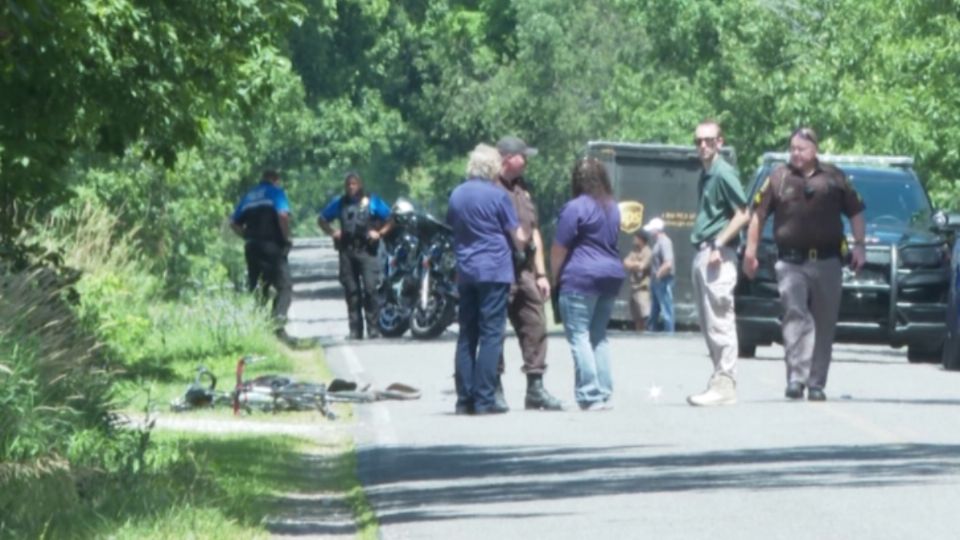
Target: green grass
<point x="242" y="481"/>
<point x="127" y="483"/>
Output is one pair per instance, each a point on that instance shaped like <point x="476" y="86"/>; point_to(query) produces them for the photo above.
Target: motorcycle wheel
<point x="391" y="321"/>
<point x="430" y="323"/>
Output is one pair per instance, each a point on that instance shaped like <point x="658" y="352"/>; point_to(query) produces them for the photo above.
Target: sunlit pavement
<point x="880" y="459"/>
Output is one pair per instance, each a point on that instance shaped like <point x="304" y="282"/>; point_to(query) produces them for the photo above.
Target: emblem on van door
<point x="631" y="216"/>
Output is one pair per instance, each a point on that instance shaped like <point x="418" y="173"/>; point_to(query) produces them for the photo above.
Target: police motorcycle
<point x="437" y="296"/>
<point x="418" y="287"/>
<point x="400" y="276"/>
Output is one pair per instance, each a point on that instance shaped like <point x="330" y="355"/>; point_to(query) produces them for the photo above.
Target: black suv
<point x="951" y="347"/>
<point x="900" y="296"/>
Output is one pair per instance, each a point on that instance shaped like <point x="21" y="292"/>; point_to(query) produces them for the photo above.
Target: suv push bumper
<point x="912" y="311"/>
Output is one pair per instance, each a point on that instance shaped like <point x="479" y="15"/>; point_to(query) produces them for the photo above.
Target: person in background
<point x="637" y="265"/>
<point x="363" y="220"/>
<point x="588" y="272"/>
<point x="661" y="278"/>
<point x="262" y="218"/>
<point x="485" y="233"/>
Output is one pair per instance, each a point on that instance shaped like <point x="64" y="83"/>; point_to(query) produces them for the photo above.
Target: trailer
<point x="664" y="180"/>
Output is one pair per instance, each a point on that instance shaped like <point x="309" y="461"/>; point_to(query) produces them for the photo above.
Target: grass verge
<point x="247" y="485"/>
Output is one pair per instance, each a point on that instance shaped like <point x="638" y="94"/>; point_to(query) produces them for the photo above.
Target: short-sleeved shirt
<point x="258" y="212"/>
<point x="482" y="217"/>
<point x="522" y="204"/>
<point x="807" y="211"/>
<point x="588" y="229"/>
<point x="378" y="208"/>
<point x="662" y="252"/>
<point x="721" y="196"/>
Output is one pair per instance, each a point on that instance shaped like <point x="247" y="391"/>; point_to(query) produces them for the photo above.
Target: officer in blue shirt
<point x="262" y="218"/>
<point x="363" y="220"/>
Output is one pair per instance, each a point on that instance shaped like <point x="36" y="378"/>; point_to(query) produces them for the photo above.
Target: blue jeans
<point x="483" y="318"/>
<point x="661" y="305"/>
<point x="585" y="319"/>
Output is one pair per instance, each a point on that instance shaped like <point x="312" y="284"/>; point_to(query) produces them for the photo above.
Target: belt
<point x="798" y="256"/>
<point x="732" y="244"/>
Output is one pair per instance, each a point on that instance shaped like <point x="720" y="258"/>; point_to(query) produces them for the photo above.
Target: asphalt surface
<point x="879" y="460"/>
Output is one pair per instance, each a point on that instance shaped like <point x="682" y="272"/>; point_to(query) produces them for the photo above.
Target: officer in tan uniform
<point x="532" y="288"/>
<point x="637" y="265"/>
<point x="807" y="198"/>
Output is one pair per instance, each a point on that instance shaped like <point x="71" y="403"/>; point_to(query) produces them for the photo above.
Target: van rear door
<point x="664" y="179"/>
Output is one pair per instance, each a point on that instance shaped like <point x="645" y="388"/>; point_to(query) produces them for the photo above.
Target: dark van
<point x="664" y="179"/>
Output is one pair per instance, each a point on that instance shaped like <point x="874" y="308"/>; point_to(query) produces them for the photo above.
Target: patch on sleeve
<point x="763" y="188"/>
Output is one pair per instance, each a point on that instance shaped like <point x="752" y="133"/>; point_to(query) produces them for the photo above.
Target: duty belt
<point x="799" y="256"/>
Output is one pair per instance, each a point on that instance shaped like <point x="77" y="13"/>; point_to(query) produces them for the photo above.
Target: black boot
<point x="500" y="402"/>
<point x="538" y="398"/>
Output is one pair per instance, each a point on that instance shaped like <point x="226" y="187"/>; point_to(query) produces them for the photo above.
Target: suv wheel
<point x="924" y="353"/>
<point x="951" y="353"/>
<point x="746" y="349"/>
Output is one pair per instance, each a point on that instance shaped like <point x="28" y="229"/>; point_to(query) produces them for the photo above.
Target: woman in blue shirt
<point x="588" y="273"/>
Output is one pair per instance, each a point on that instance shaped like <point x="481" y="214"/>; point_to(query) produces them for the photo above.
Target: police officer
<point x="532" y="288"/>
<point x="807" y="198"/>
<point x="262" y="218"/>
<point x="363" y="220"/>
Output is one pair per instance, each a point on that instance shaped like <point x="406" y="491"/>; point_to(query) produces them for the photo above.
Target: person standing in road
<point x="807" y="199"/>
<point x="661" y="279"/>
<point x="262" y="218"/>
<point x="364" y="219"/>
<point x="588" y="273"/>
<point x="485" y="232"/>
<point x="531" y="288"/>
<point x="637" y="265"/>
<point x="721" y="214"/>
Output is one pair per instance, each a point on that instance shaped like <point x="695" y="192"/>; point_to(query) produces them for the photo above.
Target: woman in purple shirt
<point x="588" y="273"/>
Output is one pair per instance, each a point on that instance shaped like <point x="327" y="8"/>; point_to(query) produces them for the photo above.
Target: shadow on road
<point x="947" y="402"/>
<point x="401" y="478"/>
<point x="319" y="293"/>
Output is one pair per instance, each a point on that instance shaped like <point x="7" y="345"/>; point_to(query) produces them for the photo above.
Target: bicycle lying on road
<point x="266" y="393"/>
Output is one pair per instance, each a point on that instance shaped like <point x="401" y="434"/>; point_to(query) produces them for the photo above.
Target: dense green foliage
<point x="129" y="129"/>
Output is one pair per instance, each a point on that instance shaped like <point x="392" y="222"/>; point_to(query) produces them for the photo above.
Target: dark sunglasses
<point x="697" y="141"/>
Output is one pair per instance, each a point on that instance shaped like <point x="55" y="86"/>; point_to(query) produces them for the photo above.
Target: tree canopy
<point x="164" y="111"/>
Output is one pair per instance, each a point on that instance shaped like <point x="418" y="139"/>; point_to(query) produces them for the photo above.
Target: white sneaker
<point x="721" y="390"/>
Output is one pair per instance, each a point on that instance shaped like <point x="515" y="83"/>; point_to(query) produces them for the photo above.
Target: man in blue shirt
<point x="363" y="220"/>
<point x="483" y="221"/>
<point x="262" y="218"/>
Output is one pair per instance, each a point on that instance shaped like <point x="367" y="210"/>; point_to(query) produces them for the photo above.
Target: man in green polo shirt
<point x="720" y="216"/>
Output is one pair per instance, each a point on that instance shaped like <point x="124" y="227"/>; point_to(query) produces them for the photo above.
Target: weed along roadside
<point x="290" y="473"/>
<point x="89" y="340"/>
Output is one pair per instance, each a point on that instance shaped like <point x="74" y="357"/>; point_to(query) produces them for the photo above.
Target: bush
<point x="66" y="337"/>
<point x="54" y="390"/>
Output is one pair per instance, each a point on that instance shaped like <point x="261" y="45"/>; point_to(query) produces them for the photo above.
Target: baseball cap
<point x="514" y="145"/>
<point x="654" y="225"/>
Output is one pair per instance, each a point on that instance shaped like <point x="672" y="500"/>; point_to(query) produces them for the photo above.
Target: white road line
<point x="353" y="361"/>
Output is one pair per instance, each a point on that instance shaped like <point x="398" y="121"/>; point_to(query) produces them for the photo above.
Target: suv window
<point x="894" y="197"/>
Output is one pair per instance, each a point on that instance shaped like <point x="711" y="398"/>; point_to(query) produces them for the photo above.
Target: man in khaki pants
<point x="720" y="216"/>
<point x="807" y="199"/>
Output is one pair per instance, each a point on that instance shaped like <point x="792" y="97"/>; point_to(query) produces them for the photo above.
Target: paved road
<point x="880" y="460"/>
